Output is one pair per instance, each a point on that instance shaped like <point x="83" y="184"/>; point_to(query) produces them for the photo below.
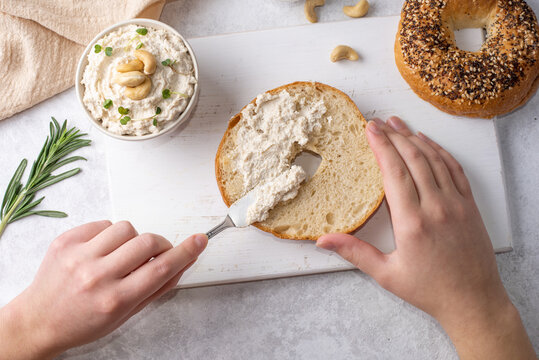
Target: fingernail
<point x="372" y="127"/>
<point x="325" y="245"/>
<point x="422" y="136"/>
<point x="379" y="122"/>
<point x="201" y="241"/>
<point x="396" y="123"/>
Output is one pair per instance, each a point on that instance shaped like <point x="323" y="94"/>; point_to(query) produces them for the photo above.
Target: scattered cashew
<point x="358" y="10"/>
<point x="133" y="65"/>
<point x="342" y="52"/>
<point x="310" y="14"/>
<point x="139" y="92"/>
<point x="148" y="59"/>
<point x="130" y="78"/>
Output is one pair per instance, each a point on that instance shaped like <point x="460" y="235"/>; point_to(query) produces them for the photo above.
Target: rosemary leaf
<point x="59" y="164"/>
<point x="28" y="207"/>
<point x="51" y="180"/>
<point x="48" y="213"/>
<point x="27" y="200"/>
<point x="12" y="183"/>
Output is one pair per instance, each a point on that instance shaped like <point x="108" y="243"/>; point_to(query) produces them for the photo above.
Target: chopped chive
<point x="139" y="46"/>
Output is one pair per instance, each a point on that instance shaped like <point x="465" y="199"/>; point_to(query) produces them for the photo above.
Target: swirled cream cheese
<point x="275" y="126"/>
<point x="144" y="117"/>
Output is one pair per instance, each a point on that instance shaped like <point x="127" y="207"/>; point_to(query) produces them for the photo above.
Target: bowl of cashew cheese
<point x="137" y="79"/>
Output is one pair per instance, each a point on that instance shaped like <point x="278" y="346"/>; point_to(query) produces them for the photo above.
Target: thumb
<point x="366" y="257"/>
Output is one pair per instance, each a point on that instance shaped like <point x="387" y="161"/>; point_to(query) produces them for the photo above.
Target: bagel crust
<point x="501" y="76"/>
<point x="347" y="188"/>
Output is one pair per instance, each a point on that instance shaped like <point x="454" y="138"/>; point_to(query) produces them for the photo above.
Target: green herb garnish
<point x="123" y="110"/>
<point x="158" y="111"/>
<point x="18" y="199"/>
<point x="168" y="62"/>
<point x="167" y="93"/>
<point x="142" y="31"/>
<point x="107" y="104"/>
<point x="154" y="122"/>
<point x="97" y="48"/>
<point x="125" y="120"/>
<point x="108" y="51"/>
<point x="139" y="46"/>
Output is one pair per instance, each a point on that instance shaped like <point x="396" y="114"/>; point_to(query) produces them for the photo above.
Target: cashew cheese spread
<point x="275" y="126"/>
<point x="126" y="107"/>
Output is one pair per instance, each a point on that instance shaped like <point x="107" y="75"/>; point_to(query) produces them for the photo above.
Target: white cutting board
<point x="167" y="185"/>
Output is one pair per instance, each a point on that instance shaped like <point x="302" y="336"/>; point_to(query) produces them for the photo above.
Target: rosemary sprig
<point x="18" y="199"/>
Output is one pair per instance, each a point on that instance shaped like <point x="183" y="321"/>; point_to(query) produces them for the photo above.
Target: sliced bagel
<point x="347" y="187"/>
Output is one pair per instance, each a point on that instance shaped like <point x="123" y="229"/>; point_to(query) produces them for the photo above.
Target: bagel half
<point x="347" y="187"/>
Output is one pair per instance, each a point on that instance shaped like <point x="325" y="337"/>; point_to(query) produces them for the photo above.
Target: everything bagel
<point x="502" y="75"/>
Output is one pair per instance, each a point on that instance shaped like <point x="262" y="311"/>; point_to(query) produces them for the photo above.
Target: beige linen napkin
<point x="42" y="41"/>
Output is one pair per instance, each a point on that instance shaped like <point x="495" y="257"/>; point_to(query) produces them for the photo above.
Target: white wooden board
<point x="167" y="185"/>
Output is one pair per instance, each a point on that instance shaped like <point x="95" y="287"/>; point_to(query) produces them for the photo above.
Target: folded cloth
<point x="42" y="41"/>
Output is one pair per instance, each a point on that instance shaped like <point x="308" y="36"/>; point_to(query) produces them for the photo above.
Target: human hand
<point x="444" y="261"/>
<point x="92" y="279"/>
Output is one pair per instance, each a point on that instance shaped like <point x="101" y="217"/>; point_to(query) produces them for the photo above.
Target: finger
<point x="439" y="169"/>
<point x="135" y="252"/>
<point x="415" y="162"/>
<point x="455" y="169"/>
<point x="151" y="276"/>
<point x="169" y="285"/>
<point x="366" y="257"/>
<point x="84" y="232"/>
<point x="112" y="238"/>
<point x="398" y="183"/>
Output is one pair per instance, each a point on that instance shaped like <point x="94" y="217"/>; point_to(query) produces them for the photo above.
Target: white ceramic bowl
<point x="84" y="61"/>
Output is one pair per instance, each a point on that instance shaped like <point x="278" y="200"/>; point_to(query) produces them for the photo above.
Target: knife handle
<point x="227" y="223"/>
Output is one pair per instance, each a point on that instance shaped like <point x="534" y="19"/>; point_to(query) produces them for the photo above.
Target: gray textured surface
<point x="338" y="316"/>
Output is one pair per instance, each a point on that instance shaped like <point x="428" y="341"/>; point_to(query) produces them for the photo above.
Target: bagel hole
<point x="470" y="39"/>
<point x="309" y="161"/>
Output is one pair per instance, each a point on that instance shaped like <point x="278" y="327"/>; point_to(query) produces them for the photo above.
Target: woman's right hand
<point x="444" y="262"/>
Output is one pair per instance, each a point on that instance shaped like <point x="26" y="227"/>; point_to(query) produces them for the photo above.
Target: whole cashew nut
<point x="133" y="65"/>
<point x="342" y="52"/>
<point x="358" y="10"/>
<point x="139" y="92"/>
<point x="310" y="14"/>
<point x="130" y="78"/>
<point x="148" y="59"/>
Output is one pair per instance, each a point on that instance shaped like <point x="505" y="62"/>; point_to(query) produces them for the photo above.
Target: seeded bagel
<point x="501" y="76"/>
<point x="347" y="187"/>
